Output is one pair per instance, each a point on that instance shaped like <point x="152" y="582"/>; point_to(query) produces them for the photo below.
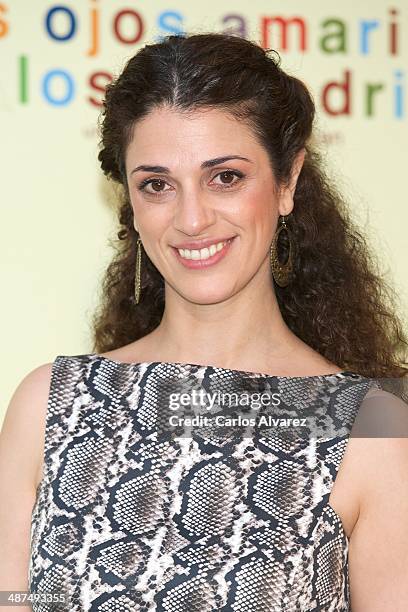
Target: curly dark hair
<point x="338" y="303"/>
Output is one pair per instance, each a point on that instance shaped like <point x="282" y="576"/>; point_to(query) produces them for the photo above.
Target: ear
<point x="134" y="217"/>
<point x="296" y="168"/>
<point x="287" y="193"/>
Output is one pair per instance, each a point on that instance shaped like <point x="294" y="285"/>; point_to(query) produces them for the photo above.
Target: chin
<point x="206" y="297"/>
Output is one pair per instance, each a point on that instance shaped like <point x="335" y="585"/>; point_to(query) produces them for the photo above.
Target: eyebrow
<point x="209" y="163"/>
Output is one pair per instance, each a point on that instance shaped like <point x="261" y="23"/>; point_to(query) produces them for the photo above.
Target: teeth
<point x="202" y="253"/>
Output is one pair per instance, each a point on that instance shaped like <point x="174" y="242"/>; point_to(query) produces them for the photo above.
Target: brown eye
<point x="229" y="176"/>
<point x="156" y="184"/>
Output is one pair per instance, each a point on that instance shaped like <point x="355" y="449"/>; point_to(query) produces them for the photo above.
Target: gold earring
<point x="281" y="272"/>
<point x="138" y="270"/>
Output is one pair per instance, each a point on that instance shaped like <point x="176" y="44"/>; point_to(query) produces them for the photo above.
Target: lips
<point x="201" y="244"/>
<point x="207" y="262"/>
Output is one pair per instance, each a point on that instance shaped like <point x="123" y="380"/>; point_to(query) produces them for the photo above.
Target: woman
<point x="237" y="265"/>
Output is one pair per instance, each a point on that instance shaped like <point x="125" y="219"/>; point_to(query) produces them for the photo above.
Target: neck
<point x="240" y="332"/>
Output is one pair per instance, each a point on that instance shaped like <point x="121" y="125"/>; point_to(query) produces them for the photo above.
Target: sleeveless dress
<point x="130" y="518"/>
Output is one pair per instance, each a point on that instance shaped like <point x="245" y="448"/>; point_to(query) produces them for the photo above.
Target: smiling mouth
<point x="198" y="258"/>
<point x="205" y="252"/>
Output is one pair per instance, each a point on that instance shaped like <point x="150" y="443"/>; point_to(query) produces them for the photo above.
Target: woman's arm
<point x="21" y="452"/>
<point x="378" y="552"/>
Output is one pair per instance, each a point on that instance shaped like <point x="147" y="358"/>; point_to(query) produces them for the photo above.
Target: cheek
<point x="151" y="216"/>
<point x="255" y="208"/>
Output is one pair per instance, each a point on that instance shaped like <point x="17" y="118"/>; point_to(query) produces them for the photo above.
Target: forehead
<point x="166" y="133"/>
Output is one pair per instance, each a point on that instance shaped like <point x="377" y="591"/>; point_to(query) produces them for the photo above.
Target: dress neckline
<point x="341" y="374"/>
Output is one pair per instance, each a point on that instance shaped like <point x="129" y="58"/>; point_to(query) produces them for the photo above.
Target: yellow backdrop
<point x="56" y="205"/>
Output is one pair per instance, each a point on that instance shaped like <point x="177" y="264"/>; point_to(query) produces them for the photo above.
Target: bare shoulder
<point x="379" y="542"/>
<point x="381" y="425"/>
<point x="23" y="428"/>
<point x="21" y="446"/>
<point x="379" y="443"/>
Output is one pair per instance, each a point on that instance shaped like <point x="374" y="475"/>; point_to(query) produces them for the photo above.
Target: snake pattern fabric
<point x="129" y="517"/>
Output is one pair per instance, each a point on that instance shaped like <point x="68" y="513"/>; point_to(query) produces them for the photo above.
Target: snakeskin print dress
<point x="128" y="517"/>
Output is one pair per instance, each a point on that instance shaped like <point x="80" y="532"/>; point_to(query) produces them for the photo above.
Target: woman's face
<point x="191" y="195"/>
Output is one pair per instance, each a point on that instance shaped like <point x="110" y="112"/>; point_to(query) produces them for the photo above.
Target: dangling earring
<point x="281" y="272"/>
<point x="138" y="270"/>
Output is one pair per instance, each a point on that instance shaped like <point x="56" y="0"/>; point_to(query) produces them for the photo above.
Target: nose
<point x="194" y="214"/>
